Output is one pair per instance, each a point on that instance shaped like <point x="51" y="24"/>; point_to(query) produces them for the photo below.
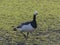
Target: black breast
<point x="34" y="24"/>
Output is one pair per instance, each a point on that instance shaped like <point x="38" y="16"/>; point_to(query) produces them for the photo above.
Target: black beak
<point x="15" y="29"/>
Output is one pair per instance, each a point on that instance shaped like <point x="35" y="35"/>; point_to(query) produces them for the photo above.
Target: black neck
<point x="34" y="24"/>
<point x="34" y="18"/>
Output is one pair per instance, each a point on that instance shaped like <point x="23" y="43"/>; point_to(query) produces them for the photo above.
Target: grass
<point x="14" y="12"/>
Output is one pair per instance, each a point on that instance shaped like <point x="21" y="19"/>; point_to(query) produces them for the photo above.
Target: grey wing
<point x="26" y="23"/>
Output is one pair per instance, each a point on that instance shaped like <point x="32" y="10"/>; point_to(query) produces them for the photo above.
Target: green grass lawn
<point x="14" y="12"/>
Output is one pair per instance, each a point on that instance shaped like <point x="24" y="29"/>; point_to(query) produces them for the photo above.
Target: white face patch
<point x="35" y="12"/>
<point x="26" y="28"/>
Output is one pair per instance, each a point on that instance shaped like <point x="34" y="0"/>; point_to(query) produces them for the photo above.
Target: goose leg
<point x="31" y="33"/>
<point x="23" y="34"/>
<point x="27" y="34"/>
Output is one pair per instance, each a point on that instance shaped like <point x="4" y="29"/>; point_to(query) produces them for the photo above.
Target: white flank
<point x="26" y="28"/>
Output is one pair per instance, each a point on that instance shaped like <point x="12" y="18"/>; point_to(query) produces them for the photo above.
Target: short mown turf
<point x="14" y="12"/>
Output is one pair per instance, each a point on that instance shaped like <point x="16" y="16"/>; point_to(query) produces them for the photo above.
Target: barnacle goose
<point x="27" y="26"/>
